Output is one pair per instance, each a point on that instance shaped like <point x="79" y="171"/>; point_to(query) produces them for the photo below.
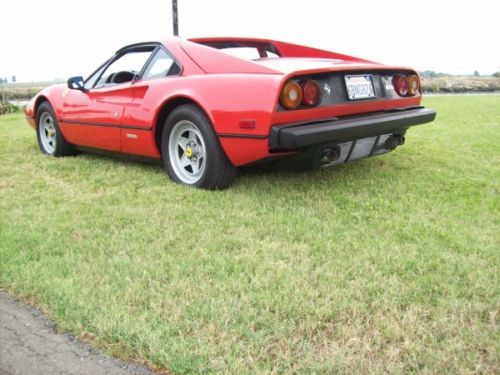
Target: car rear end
<point x="329" y="108"/>
<point x="346" y="113"/>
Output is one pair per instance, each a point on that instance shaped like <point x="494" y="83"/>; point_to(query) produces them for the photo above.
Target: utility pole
<point x="175" y="17"/>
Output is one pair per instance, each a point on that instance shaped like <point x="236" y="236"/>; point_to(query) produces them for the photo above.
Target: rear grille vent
<point x="360" y="148"/>
<point x="379" y="148"/>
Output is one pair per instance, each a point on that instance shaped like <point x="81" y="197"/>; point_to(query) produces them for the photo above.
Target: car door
<point x="93" y="117"/>
<point x="136" y="133"/>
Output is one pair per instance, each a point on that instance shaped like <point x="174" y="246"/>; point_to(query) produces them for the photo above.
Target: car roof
<point x="139" y="45"/>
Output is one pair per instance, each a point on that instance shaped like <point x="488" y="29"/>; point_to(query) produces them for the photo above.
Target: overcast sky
<point x="43" y="40"/>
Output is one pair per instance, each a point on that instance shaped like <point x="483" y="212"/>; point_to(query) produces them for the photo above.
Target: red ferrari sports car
<point x="208" y="106"/>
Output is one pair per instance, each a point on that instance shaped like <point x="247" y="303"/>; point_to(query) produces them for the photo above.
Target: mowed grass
<point x="389" y="264"/>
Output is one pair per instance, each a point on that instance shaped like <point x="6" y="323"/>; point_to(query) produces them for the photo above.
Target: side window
<point x="272" y="55"/>
<point x="124" y="69"/>
<point x="90" y="82"/>
<point x="160" y="65"/>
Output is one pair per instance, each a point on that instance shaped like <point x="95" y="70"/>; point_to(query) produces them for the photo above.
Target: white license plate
<point x="359" y="87"/>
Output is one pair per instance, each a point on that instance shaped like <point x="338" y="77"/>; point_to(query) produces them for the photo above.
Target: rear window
<point x="247" y="50"/>
<point x="248" y="53"/>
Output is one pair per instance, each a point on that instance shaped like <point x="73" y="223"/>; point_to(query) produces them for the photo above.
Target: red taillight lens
<point x="400" y="84"/>
<point x="291" y="96"/>
<point x="413" y="85"/>
<point x="311" y="93"/>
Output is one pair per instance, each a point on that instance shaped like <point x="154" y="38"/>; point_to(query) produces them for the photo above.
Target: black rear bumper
<point x="300" y="135"/>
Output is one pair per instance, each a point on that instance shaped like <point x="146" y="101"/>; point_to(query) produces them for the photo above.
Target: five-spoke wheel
<point x="191" y="151"/>
<point x="47" y="131"/>
<point x="186" y="150"/>
<point x="50" y="138"/>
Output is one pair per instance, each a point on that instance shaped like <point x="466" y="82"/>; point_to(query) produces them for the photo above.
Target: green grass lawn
<point x="389" y="264"/>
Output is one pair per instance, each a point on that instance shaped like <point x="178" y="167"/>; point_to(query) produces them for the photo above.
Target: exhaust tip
<point x="329" y="155"/>
<point x="394" y="141"/>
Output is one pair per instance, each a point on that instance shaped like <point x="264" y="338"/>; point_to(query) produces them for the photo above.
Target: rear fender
<point x="227" y="99"/>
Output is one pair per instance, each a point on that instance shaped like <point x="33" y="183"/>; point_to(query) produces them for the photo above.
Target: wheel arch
<point x="166" y="108"/>
<point x="38" y="102"/>
<point x="54" y="95"/>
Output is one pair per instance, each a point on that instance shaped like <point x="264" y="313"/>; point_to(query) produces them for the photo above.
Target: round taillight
<point x="291" y="96"/>
<point x="400" y="84"/>
<point x="413" y="85"/>
<point x="311" y="93"/>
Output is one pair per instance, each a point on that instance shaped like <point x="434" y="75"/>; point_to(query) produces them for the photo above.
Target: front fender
<point x="53" y="94"/>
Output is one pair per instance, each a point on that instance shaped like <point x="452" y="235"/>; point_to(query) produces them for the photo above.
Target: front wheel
<point x="49" y="136"/>
<point x="191" y="151"/>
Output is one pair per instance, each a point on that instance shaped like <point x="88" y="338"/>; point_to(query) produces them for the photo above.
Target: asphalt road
<point x="29" y="345"/>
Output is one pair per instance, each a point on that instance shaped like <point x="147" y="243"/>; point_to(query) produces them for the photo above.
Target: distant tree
<point x="1" y="81"/>
<point x="433" y="74"/>
<point x="428" y="74"/>
<point x="13" y="79"/>
<point x="476" y="73"/>
<point x="496" y="75"/>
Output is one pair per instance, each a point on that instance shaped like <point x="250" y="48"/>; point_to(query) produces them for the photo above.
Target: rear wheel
<point x="191" y="151"/>
<point x="50" y="138"/>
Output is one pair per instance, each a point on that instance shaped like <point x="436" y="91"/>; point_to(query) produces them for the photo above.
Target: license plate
<point x="359" y="87"/>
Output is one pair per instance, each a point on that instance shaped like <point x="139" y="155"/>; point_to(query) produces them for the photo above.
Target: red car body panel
<point x="125" y="118"/>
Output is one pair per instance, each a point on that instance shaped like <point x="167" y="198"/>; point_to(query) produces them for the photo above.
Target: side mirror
<point x="76" y="83"/>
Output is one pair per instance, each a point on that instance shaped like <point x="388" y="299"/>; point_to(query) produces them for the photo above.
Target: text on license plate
<point x="359" y="87"/>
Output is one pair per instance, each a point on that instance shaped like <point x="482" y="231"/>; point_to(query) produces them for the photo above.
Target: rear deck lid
<point x="287" y="65"/>
<point x="212" y="60"/>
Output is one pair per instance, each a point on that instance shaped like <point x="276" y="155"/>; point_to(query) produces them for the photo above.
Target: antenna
<point x="175" y="17"/>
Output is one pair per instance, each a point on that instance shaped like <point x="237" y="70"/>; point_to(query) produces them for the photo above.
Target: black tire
<point x="61" y="147"/>
<point x="218" y="172"/>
